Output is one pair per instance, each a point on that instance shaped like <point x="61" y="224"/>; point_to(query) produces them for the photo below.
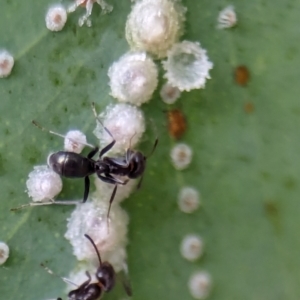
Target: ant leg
<point x="106" y="148"/>
<point x="86" y="188"/>
<point x="153" y="149"/>
<point x="57" y="134"/>
<point x="109" y="206"/>
<point x="32" y="204"/>
<point x="129" y="151"/>
<point x="112" y="180"/>
<point x="66" y="280"/>
<point x="110" y="145"/>
<point x="140" y="183"/>
<point x="110" y="201"/>
<point x="42" y="203"/>
<point x="87" y="282"/>
<point x="93" y="152"/>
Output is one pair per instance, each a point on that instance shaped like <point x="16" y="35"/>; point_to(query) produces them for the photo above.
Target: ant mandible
<point x="73" y="165"/>
<point x="105" y="276"/>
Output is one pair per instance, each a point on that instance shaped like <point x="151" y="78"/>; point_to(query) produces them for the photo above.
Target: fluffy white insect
<point x="125" y="122"/>
<point x="56" y="17"/>
<point x="133" y="78"/>
<point x="191" y="247"/>
<point x="155" y="25"/>
<point x="181" y="156"/>
<point x="227" y="17"/>
<point x="169" y="94"/>
<point x="200" y="285"/>
<point x="4" y="253"/>
<point x="75" y="141"/>
<point x="187" y="66"/>
<point x="43" y="184"/>
<point x="188" y="199"/>
<point x="104" y="190"/>
<point x="91" y="218"/>
<point x="106" y="8"/>
<point x="6" y="63"/>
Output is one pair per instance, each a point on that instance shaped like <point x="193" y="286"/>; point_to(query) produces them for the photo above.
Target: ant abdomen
<point x="106" y="276"/>
<point x="70" y="164"/>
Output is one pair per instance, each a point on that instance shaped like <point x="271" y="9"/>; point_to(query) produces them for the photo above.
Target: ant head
<point x="138" y="161"/>
<point x="105" y="273"/>
<point x="106" y="276"/>
<point x="55" y="161"/>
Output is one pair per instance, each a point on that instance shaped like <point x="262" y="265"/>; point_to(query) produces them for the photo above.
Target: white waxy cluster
<point x="106" y="8"/>
<point x="75" y="141"/>
<point x="43" y="184"/>
<point x="191" y="247"/>
<point x="125" y="122"/>
<point x="133" y="78"/>
<point x="6" y="63"/>
<point x="4" y="253"/>
<point x="104" y="190"/>
<point x="187" y="66"/>
<point x="109" y="235"/>
<point x="181" y="156"/>
<point x="188" y="199"/>
<point x="155" y="25"/>
<point x="56" y="17"/>
<point x="200" y="285"/>
<point x="169" y="94"/>
<point x="227" y="18"/>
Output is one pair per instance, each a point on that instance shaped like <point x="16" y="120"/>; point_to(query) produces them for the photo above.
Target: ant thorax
<point x="102" y="167"/>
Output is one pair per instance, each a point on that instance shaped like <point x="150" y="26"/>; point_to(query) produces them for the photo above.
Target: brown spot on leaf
<point x="249" y="107"/>
<point x="241" y="75"/>
<point x="176" y="123"/>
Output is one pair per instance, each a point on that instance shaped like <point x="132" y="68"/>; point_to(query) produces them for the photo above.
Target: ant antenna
<point x="153" y="149"/>
<point x="131" y="140"/>
<point x="35" y="123"/>
<point x="98" y="119"/>
<point x="66" y="280"/>
<point x="98" y="254"/>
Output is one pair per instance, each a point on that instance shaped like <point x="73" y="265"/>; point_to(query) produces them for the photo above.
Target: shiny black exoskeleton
<point x="72" y="165"/>
<point x="106" y="278"/>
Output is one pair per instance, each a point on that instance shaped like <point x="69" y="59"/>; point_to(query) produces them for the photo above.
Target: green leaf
<point x="246" y="165"/>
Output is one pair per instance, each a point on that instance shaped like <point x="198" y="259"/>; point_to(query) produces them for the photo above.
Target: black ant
<point x="106" y="278"/>
<point x="73" y="165"/>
